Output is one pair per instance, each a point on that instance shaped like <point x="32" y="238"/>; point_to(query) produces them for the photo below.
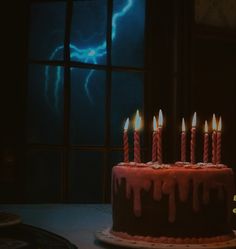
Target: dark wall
<point x="192" y="68"/>
<point x="12" y="94"/>
<point x="213" y="86"/>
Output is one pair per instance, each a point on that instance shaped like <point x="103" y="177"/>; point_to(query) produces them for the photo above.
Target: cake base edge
<point x="116" y="238"/>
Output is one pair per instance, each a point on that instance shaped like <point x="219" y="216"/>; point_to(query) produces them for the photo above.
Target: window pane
<point x="87" y="106"/>
<point x="45" y="104"/>
<point x="128" y="33"/>
<point x="43" y="174"/>
<point x="126" y="98"/>
<point x="88" y="33"/>
<point x="47" y="30"/>
<point x="85" y="177"/>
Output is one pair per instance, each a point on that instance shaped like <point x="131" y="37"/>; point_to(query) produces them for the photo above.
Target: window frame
<point x="66" y="147"/>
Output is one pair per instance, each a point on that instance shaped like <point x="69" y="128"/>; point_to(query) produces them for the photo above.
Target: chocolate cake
<point x="179" y="203"/>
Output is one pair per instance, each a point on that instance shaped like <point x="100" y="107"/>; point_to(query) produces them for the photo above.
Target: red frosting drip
<point x="166" y="180"/>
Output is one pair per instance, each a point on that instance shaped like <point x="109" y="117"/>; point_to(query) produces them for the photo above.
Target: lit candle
<point x="154" y="140"/>
<point x="183" y="142"/>
<point x="218" y="142"/>
<point x="126" y="141"/>
<point x="206" y="143"/>
<point x="193" y="139"/>
<point x="137" y="138"/>
<point x="214" y="139"/>
<point x="159" y="137"/>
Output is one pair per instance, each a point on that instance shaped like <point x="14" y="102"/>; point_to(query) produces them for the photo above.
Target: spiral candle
<point x="137" y="138"/>
<point x="159" y="137"/>
<point x="154" y="146"/>
<point x="126" y="147"/>
<point x="159" y="147"/>
<point x="126" y="141"/>
<point x="193" y="139"/>
<point x="218" y="143"/>
<point x="183" y="146"/>
<point x="205" y="153"/>
<point x="214" y="139"/>
<point x="136" y="147"/>
<point x="183" y="142"/>
<point x="218" y="147"/>
<point x="193" y="142"/>
<point x="154" y="140"/>
<point x="214" y="147"/>
<point x="206" y="144"/>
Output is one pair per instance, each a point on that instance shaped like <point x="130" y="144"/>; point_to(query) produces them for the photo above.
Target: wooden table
<point x="75" y="222"/>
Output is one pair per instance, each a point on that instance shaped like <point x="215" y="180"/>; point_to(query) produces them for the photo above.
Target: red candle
<point x="206" y="143"/>
<point x="137" y="138"/>
<point x="159" y="137"/>
<point x="218" y="142"/>
<point x="193" y="139"/>
<point x="214" y="139"/>
<point x="183" y="142"/>
<point x="154" y="140"/>
<point x="126" y="141"/>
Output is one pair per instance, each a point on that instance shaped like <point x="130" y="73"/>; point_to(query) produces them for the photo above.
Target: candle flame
<point x="219" y="127"/>
<point x="160" y="118"/>
<point x="206" y="127"/>
<point x="137" y="121"/>
<point x="194" y="121"/>
<point x="154" y="124"/>
<point x="126" y="124"/>
<point x="214" y="122"/>
<point x="183" y="125"/>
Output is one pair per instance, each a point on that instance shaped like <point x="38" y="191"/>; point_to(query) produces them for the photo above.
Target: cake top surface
<point x="178" y="166"/>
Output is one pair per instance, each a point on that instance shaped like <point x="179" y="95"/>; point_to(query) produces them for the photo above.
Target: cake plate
<point x="107" y="237"/>
<point x="8" y="219"/>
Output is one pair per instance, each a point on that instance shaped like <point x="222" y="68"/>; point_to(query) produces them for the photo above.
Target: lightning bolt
<point x="85" y="55"/>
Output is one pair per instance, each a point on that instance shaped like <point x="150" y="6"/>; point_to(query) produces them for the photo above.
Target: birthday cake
<point x="172" y="203"/>
<point x="180" y="203"/>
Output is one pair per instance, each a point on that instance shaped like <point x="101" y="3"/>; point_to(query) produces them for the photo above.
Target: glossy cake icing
<point x="159" y="200"/>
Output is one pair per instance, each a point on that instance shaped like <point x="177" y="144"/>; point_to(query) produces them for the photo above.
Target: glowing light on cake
<point x="183" y="142"/>
<point x="160" y="119"/>
<point x="159" y="137"/>
<point x="193" y="138"/>
<point x="89" y="54"/>
<point x="154" y="140"/>
<point x="126" y="126"/>
<point x="183" y="125"/>
<point x="137" y="127"/>
<point x="218" y="142"/>
<point x="137" y="124"/>
<point x="194" y="121"/>
<point x="214" y="122"/>
<point x="154" y="124"/>
<point x="214" y="139"/>
<point x="206" y="127"/>
<point x="126" y="141"/>
<point x="206" y="143"/>
<point x="219" y="126"/>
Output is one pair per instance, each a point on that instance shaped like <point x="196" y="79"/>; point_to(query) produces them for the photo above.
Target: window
<point x="86" y="76"/>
